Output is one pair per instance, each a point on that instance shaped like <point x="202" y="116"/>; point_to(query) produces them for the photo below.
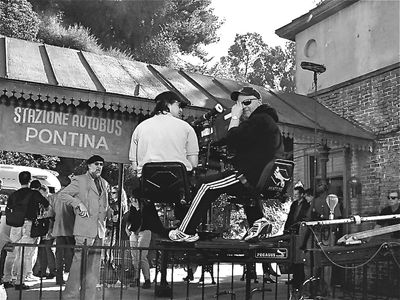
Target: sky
<point x="261" y="16"/>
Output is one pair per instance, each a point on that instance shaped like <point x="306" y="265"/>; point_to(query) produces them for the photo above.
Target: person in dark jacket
<point x="392" y="208"/>
<point x="30" y="200"/>
<point x="140" y="218"/>
<point x="63" y="231"/>
<point x="300" y="211"/>
<point x="255" y="138"/>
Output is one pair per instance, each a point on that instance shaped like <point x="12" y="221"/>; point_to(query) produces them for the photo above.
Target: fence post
<point x="21" y="272"/>
<point x="83" y="269"/>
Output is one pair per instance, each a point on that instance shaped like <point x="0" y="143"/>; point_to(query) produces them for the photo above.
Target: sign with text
<point x="64" y="134"/>
<point x="274" y="253"/>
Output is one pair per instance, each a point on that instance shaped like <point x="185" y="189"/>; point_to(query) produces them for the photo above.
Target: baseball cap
<point x="245" y="91"/>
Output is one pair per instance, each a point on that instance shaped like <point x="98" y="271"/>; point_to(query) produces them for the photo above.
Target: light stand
<point x="316" y="69"/>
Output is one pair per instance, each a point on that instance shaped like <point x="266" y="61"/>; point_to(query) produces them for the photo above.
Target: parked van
<point x="10" y="182"/>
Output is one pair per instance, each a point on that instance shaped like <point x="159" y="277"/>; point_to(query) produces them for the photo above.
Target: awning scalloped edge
<point x="75" y="97"/>
<point x="330" y="139"/>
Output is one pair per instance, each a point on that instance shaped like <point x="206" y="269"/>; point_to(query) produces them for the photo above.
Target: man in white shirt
<point x="164" y="137"/>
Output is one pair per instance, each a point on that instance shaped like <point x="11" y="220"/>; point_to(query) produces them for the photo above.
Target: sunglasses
<point x="98" y="163"/>
<point x="392" y="198"/>
<point x="248" y="101"/>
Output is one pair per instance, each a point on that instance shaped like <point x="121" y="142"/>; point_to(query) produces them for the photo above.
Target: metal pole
<point x="120" y="187"/>
<point x="354" y="219"/>
<point x="316" y="69"/>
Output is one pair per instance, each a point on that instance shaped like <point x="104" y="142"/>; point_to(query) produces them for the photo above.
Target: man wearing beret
<point x="88" y="195"/>
<point x="255" y="138"/>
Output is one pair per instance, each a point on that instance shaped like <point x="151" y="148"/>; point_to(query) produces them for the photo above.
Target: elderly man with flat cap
<point x="254" y="137"/>
<point x="88" y="195"/>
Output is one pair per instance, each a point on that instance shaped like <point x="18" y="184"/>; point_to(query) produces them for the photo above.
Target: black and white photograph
<point x="200" y="149"/>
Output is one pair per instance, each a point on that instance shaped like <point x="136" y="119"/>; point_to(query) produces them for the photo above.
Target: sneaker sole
<point x="187" y="240"/>
<point x="190" y="239"/>
<point x="263" y="232"/>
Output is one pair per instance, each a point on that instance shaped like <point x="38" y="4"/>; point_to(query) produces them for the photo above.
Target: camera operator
<point x="163" y="138"/>
<point x="255" y="138"/>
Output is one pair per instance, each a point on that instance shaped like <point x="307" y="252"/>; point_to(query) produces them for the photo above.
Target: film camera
<point x="211" y="128"/>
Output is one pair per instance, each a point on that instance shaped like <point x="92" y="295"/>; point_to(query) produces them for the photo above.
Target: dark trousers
<point x="149" y="215"/>
<point x="152" y="220"/>
<point x="211" y="188"/>
<point x="253" y="213"/>
<point x="45" y="258"/>
<point x="2" y="261"/>
<point x="64" y="255"/>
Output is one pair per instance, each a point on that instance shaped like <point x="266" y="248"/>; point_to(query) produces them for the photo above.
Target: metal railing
<point x="363" y="269"/>
<point x="168" y="268"/>
<point x="377" y="278"/>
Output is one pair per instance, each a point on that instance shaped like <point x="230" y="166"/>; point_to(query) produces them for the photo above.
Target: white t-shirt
<point x="163" y="138"/>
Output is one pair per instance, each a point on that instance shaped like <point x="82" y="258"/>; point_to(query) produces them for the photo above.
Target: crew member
<point x="164" y="137"/>
<point x="300" y="211"/>
<point x="254" y="137"/>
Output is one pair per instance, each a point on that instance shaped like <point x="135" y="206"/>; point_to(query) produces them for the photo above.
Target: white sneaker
<point x="179" y="236"/>
<point x="31" y="278"/>
<point x="260" y="228"/>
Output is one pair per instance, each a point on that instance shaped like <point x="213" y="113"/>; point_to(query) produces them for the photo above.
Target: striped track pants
<point x="211" y="188"/>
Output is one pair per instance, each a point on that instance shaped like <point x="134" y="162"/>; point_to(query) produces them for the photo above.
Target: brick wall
<point x="372" y="102"/>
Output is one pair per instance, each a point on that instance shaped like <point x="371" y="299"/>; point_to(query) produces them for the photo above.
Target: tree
<point x="18" y="20"/>
<point x="251" y="60"/>
<point x="288" y="67"/>
<point x="27" y="159"/>
<point x="245" y="52"/>
<point x="172" y="25"/>
<point x="52" y="32"/>
<point x="319" y="2"/>
<point x="191" y="23"/>
<point x="159" y="50"/>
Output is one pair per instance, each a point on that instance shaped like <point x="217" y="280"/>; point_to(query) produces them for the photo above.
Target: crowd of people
<point x="86" y="211"/>
<point x="33" y="195"/>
